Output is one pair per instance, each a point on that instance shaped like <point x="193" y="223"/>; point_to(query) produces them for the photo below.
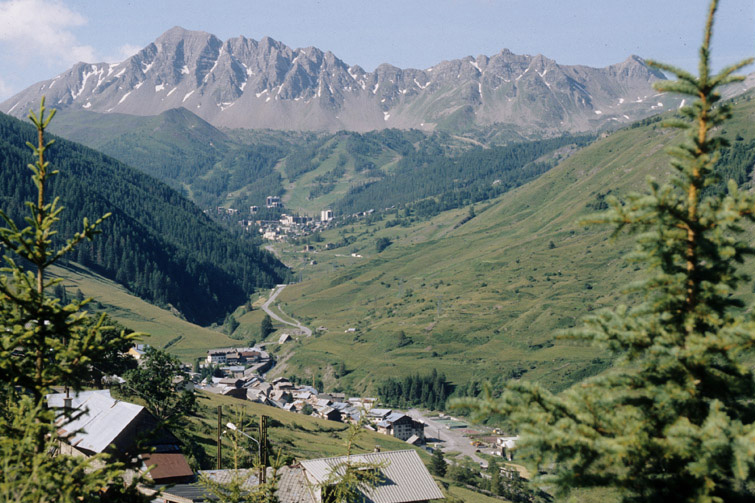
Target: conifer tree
<point x="43" y="344"/>
<point x="675" y="420"/>
<point x="266" y="326"/>
<point x="438" y="463"/>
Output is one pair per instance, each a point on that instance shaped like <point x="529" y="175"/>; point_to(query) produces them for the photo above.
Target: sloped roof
<point x="379" y="412"/>
<point x="395" y="416"/>
<point x="293" y="486"/>
<point x="405" y="478"/>
<point x="101" y="421"/>
<point x="168" y="465"/>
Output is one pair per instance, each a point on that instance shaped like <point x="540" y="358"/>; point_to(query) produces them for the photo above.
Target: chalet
<point x="264" y="387"/>
<point x="404" y="477"/>
<point x="376" y="414"/>
<point x="302" y="395"/>
<point x="281" y="396"/>
<point x="216" y="356"/>
<point x="102" y="424"/>
<point x="507" y="446"/>
<point x="322" y="402"/>
<point x="259" y="397"/>
<point x="401" y="426"/>
<point x="262" y="366"/>
<point x="231" y="381"/>
<point x="329" y="413"/>
<point x="250" y="354"/>
<point x="283" y="384"/>
<point x="180" y="383"/>
<point x="233" y="357"/>
<point x="236" y="371"/>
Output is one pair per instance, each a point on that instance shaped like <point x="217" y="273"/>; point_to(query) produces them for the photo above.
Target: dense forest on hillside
<point x="430" y="391"/>
<point x="347" y="171"/>
<point x="736" y="163"/>
<point x="472" y="176"/>
<point x="157" y="244"/>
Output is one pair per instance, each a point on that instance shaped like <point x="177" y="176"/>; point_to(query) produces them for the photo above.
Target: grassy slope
<point x="503" y="290"/>
<point x="304" y="437"/>
<point x="136" y="314"/>
<point x="297" y="192"/>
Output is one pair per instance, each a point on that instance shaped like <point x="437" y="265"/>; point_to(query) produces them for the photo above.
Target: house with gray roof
<point x="99" y="423"/>
<point x="404" y="479"/>
<point x="401" y="426"/>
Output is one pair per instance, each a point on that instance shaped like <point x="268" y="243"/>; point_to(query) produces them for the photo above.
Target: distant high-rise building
<point x="326" y="215"/>
<point x="273" y="202"/>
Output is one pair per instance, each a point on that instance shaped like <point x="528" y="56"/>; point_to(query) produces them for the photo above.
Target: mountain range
<point x="244" y="83"/>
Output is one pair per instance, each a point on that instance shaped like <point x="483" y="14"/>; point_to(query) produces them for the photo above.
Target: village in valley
<point x="106" y="423"/>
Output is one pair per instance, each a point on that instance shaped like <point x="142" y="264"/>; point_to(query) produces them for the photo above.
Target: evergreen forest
<point x="157" y="243"/>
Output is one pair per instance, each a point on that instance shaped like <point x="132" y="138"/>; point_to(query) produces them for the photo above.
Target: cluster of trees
<point x="304" y="159"/>
<point x="324" y="184"/>
<point x="158" y="244"/>
<point x="736" y="163"/>
<point x="499" y="480"/>
<point x="430" y="391"/>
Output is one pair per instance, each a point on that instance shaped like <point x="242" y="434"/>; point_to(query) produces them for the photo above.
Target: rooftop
<point x="101" y="421"/>
<point x="405" y="478"/>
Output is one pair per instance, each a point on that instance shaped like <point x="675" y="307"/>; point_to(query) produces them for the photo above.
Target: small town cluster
<point x="282" y="228"/>
<point x="243" y="378"/>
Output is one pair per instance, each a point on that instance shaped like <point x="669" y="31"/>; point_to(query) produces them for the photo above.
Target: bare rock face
<point x="265" y="84"/>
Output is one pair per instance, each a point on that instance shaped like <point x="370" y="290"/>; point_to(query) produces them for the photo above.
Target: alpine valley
<point x="458" y="192"/>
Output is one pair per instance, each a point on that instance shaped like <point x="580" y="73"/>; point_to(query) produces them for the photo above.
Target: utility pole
<point x="220" y="425"/>
<point x="263" y="448"/>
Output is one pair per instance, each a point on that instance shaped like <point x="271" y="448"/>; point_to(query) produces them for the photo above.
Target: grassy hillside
<point x="165" y="329"/>
<point x="345" y="171"/>
<point x="297" y="435"/>
<point x="483" y="299"/>
<point x="157" y="243"/>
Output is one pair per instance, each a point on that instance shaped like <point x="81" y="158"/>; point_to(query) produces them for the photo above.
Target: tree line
<point x="430" y="391"/>
<point x="435" y="182"/>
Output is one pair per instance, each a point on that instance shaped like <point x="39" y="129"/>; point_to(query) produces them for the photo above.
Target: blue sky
<point x="41" y="38"/>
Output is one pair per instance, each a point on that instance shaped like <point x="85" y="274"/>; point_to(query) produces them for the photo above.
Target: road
<point x="296" y="323"/>
<point x="453" y="440"/>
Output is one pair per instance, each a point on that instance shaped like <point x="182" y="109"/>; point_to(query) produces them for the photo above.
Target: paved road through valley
<point x="296" y="323"/>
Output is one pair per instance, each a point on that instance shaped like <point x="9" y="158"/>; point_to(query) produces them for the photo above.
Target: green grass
<point x="487" y="297"/>
<point x="136" y="314"/>
<point x="297" y="435"/>
<point x="297" y="192"/>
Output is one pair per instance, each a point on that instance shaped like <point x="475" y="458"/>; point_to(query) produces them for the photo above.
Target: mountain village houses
<point x="243" y="369"/>
<point x="101" y="423"/>
<point x="403" y="479"/>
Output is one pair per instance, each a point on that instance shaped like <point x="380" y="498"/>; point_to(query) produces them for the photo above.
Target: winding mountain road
<point x="296" y="323"/>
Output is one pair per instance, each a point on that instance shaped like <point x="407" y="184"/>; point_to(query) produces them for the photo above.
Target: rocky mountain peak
<point x="241" y="82"/>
